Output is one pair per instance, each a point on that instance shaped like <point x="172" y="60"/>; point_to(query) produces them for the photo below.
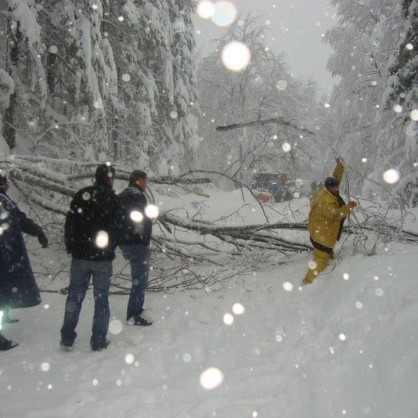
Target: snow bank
<point x="344" y="346"/>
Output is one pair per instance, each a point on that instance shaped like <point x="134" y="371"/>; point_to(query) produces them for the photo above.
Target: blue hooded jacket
<point x="18" y="288"/>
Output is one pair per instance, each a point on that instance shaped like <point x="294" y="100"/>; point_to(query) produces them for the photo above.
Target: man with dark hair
<point x="18" y="288"/>
<point x="91" y="231"/>
<point x="328" y="210"/>
<point x="135" y="243"/>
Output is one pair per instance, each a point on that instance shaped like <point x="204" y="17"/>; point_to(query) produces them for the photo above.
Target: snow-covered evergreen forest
<point x="118" y="80"/>
<point x="84" y="82"/>
<point x="373" y="112"/>
<point x="90" y="81"/>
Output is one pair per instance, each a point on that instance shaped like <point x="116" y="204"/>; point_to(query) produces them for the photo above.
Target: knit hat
<point x="330" y="182"/>
<point x="103" y="172"/>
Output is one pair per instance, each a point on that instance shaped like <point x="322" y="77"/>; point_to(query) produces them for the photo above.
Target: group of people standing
<point x="98" y="221"/>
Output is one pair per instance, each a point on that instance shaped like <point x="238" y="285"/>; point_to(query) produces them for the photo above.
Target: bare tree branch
<point x="278" y="121"/>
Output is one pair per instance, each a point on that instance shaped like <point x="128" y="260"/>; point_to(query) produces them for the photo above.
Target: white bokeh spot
<point x="211" y="378"/>
<point x="281" y="85"/>
<point x="391" y="176"/>
<point x="206" y="9"/>
<point x="126" y="77"/>
<point x="224" y="13"/>
<point x="379" y="292"/>
<point x="129" y="358"/>
<point x="136" y="216"/>
<point x="238" y="309"/>
<point x="236" y="56"/>
<point x="102" y="239"/>
<point x="312" y="265"/>
<point x="152" y="211"/>
<point x="286" y="147"/>
<point x="228" y="319"/>
<point x="288" y="286"/>
<point x="45" y="367"/>
<point x="187" y="358"/>
<point x="414" y="115"/>
<point x="115" y="326"/>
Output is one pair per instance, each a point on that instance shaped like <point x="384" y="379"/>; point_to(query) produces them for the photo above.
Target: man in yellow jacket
<point x="327" y="211"/>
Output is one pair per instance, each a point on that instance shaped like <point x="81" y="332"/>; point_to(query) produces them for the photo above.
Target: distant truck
<point x="268" y="186"/>
<point x="274" y="186"/>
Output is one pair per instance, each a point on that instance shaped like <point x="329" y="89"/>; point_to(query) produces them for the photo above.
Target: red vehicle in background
<point x="268" y="186"/>
<point x="276" y="187"/>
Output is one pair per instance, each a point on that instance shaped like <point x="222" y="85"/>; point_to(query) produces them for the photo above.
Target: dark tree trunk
<point x="9" y="132"/>
<point x="14" y="40"/>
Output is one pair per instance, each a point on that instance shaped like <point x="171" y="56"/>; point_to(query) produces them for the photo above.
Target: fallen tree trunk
<point x="188" y="252"/>
<point x="240" y="236"/>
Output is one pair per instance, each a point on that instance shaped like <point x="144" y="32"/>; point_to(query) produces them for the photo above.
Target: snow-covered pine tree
<point x="404" y="72"/>
<point x="402" y="94"/>
<point x="63" y="72"/>
<point x="365" y="42"/>
<point x="181" y="113"/>
<point x="158" y="82"/>
<point x="99" y="80"/>
<point x="134" y="30"/>
<point x="23" y="62"/>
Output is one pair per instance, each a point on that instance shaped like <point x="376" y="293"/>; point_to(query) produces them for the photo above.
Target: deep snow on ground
<point x="345" y="346"/>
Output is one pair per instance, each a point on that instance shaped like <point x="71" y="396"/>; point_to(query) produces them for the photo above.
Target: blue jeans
<point x="138" y="257"/>
<point x="80" y="274"/>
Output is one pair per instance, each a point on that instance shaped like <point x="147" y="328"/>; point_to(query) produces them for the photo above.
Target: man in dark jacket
<point x="91" y="230"/>
<point x="18" y="288"/>
<point x="135" y="243"/>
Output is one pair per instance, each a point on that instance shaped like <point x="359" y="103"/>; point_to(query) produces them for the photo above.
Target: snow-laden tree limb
<point x="240" y="236"/>
<point x="278" y="121"/>
<point x="198" y="252"/>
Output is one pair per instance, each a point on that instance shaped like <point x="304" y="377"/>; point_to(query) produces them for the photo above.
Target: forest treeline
<point x="121" y="80"/>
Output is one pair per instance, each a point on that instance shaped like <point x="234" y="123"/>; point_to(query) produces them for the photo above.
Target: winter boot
<point x="6" y="344"/>
<point x="138" y="320"/>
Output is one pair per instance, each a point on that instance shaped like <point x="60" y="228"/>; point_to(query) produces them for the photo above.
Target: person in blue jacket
<point x="135" y="243"/>
<point x="18" y="288"/>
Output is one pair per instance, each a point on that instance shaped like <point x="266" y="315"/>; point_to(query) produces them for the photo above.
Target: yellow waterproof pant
<point x="319" y="262"/>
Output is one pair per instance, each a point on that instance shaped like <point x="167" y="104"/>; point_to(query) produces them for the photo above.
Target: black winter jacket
<point x="18" y="288"/>
<point x="94" y="212"/>
<point x="134" y="199"/>
<point x="26" y="224"/>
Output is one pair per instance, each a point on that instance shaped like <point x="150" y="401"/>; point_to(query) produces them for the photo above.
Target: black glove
<point x="43" y="240"/>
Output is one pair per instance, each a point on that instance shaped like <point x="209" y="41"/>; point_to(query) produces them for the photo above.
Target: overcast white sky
<point x="295" y="28"/>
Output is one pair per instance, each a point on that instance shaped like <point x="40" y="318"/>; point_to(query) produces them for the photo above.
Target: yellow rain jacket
<point x="326" y="213"/>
